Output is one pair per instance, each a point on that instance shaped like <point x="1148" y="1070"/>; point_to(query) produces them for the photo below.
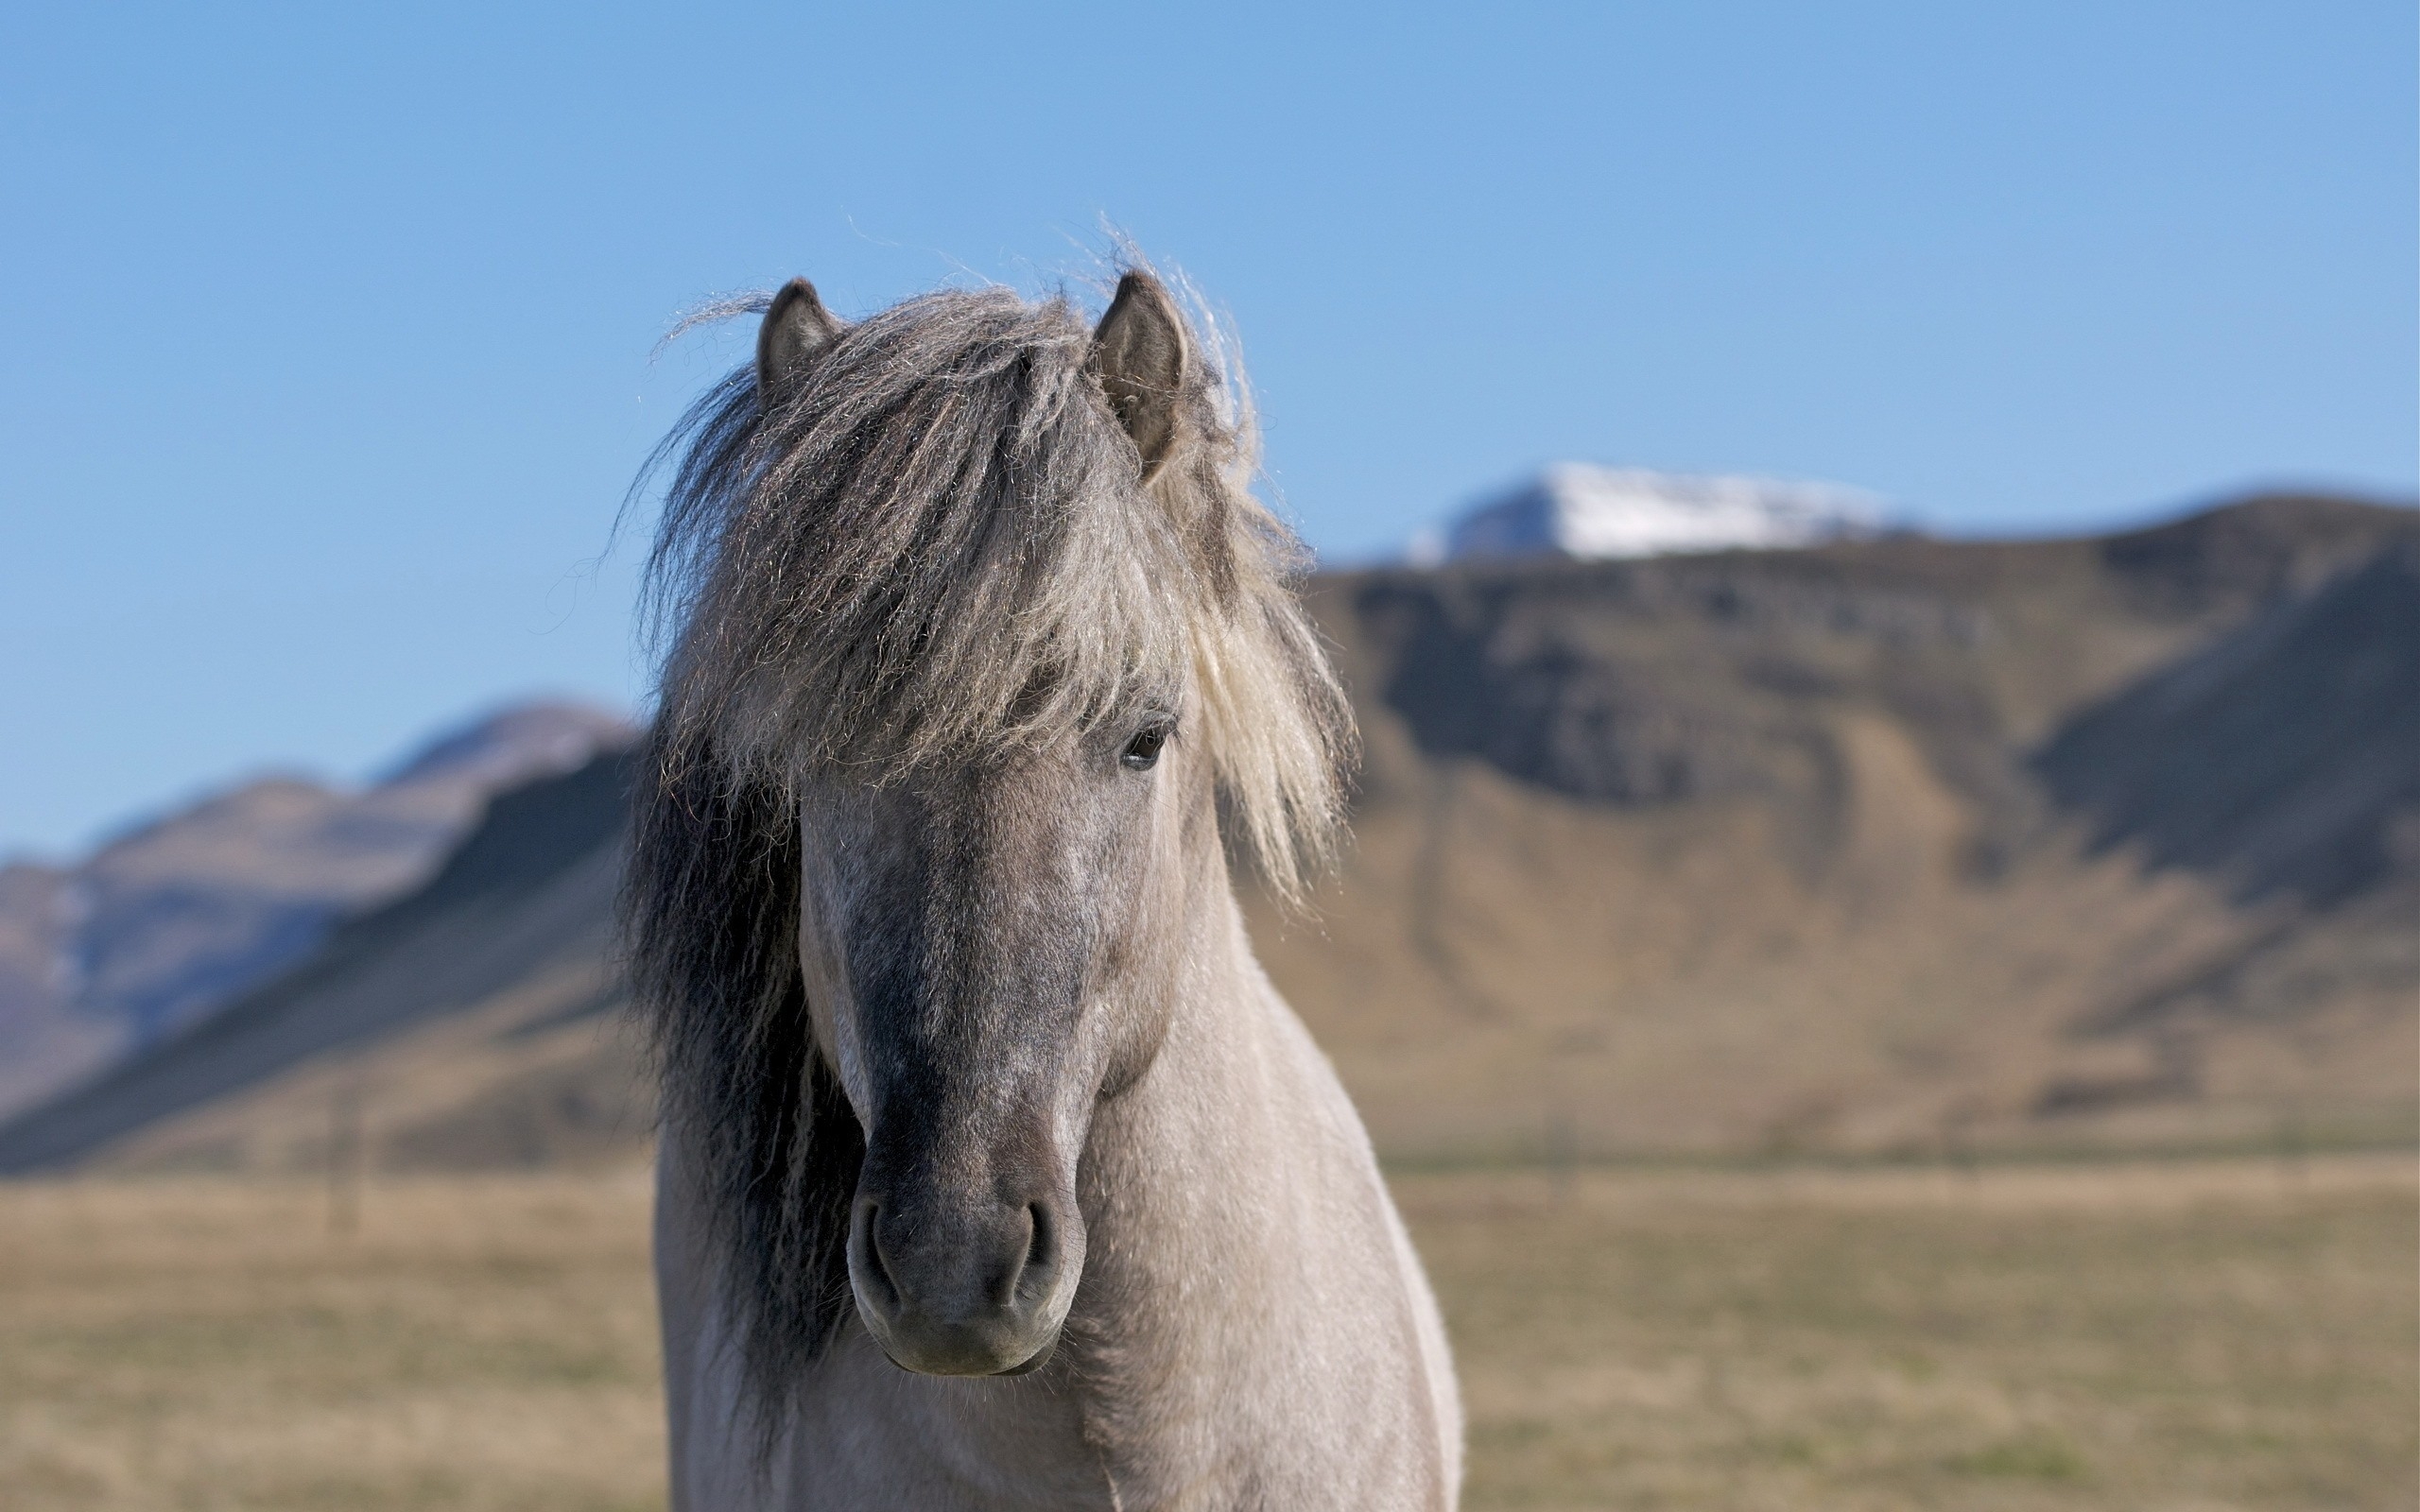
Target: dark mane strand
<point x="711" y="923"/>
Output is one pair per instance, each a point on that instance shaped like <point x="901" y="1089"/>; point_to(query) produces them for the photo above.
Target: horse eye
<point x="1143" y="751"/>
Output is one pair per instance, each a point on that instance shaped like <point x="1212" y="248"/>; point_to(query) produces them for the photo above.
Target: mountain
<point x="505" y="953"/>
<point x="1882" y="845"/>
<point x="162" y="924"/>
<point x="1591" y="513"/>
<point x="1886" y="845"/>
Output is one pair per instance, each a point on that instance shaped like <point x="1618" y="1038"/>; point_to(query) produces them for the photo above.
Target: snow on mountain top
<point x="1577" y="509"/>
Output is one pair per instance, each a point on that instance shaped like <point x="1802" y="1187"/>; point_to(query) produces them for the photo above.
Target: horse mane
<point x="938" y="541"/>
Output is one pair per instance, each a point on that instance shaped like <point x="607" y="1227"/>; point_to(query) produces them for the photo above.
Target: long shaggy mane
<point x="938" y="541"/>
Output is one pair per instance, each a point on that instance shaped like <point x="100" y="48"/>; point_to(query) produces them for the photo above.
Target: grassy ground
<point x="205" y="1346"/>
<point x="2175" y="1336"/>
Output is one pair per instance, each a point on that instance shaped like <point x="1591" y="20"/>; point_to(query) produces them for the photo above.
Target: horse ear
<point x="796" y="329"/>
<point x="1138" y="351"/>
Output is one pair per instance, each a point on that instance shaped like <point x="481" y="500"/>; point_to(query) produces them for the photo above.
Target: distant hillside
<point x="512" y="934"/>
<point x="146" y="936"/>
<point x="1882" y="845"/>
<point x="2279" y="758"/>
<point x="1849" y="846"/>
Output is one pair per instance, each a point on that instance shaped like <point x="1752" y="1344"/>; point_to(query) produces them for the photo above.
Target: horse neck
<point x="1185" y="1171"/>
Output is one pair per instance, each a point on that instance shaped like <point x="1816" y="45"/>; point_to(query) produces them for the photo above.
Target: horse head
<point x="984" y="641"/>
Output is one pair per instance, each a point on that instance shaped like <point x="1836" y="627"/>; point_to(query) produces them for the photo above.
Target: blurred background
<point x="1873" y="546"/>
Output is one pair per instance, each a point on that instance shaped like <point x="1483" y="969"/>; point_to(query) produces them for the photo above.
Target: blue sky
<point x="330" y="326"/>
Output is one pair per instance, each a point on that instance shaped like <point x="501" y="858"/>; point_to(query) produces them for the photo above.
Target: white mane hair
<point x="936" y="544"/>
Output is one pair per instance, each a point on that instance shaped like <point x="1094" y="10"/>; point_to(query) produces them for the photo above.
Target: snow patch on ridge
<point x="1580" y="511"/>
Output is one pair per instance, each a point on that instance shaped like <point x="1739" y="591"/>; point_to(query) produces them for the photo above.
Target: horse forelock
<point x="935" y="544"/>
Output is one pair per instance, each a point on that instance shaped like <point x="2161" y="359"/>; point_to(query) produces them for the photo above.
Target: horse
<point x="992" y="1172"/>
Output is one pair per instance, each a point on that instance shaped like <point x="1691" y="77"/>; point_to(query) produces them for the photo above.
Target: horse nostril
<point x="873" y="1271"/>
<point x="1041" y="1254"/>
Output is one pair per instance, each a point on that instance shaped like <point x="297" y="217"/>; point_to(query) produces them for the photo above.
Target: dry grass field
<point x="2140" y="1337"/>
<point x="2178" y="1337"/>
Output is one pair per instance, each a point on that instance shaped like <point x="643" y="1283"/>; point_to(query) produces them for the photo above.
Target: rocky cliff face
<point x="177" y="915"/>
<point x="1883" y="845"/>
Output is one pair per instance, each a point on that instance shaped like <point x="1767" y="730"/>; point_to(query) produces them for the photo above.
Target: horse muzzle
<point x="964" y="1288"/>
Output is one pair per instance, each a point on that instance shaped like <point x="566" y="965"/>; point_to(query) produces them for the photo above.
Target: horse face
<point x="984" y="948"/>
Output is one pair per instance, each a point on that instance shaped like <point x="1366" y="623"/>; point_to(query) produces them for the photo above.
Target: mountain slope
<point x="1757" y="849"/>
<point x="1884" y="845"/>
<point x="2280" y="757"/>
<point x="522" y="914"/>
<point x="175" y="917"/>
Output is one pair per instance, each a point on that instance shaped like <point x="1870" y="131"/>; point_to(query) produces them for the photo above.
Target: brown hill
<point x="1847" y="848"/>
<point x="1881" y="846"/>
<point x="181" y="913"/>
<point x="502" y="962"/>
